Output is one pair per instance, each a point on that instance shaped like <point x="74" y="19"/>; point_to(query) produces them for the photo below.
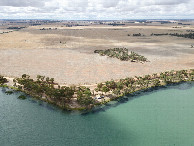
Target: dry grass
<point x="34" y="51"/>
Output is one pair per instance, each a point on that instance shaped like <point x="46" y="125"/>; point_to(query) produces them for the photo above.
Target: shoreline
<point x="105" y="92"/>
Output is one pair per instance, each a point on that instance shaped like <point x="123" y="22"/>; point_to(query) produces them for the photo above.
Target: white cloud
<point x="22" y="3"/>
<point x="93" y="9"/>
<point x="109" y="3"/>
<point x="171" y="2"/>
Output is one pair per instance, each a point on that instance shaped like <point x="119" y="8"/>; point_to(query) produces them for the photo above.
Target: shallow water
<point x="160" y="118"/>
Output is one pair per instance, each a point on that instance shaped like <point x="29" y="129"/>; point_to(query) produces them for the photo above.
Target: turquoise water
<point x="161" y="118"/>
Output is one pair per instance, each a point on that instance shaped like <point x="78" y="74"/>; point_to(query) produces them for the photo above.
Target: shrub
<point x="8" y="92"/>
<point x="3" y="80"/>
<point x="22" y="97"/>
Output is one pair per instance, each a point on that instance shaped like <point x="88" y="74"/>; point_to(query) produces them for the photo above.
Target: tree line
<point x="131" y="85"/>
<point x="53" y="92"/>
<point x="45" y="88"/>
<point x="187" y="35"/>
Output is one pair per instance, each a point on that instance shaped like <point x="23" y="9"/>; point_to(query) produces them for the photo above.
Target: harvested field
<point x="67" y="53"/>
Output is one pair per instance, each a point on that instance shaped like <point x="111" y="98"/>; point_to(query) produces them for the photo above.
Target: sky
<point x="96" y="9"/>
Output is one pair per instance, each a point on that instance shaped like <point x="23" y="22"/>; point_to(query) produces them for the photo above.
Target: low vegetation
<point x="190" y="30"/>
<point x="116" y="24"/>
<point x="136" y="35"/>
<point x="159" y="34"/>
<point x="16" y="28"/>
<point x="187" y="35"/>
<point x="48" y="29"/>
<point x="122" y="54"/>
<point x="5" y="32"/>
<point x="3" y="80"/>
<point x="22" y="97"/>
<point x="8" y="92"/>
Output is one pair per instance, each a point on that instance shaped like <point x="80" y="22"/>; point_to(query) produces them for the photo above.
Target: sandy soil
<point x="67" y="53"/>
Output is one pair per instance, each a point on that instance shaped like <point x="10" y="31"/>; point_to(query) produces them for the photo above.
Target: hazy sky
<point x="96" y="9"/>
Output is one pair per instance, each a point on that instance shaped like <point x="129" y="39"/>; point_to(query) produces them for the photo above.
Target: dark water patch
<point x="184" y="86"/>
<point x="33" y="101"/>
<point x="50" y="107"/>
<point x="3" y="90"/>
<point x="123" y="100"/>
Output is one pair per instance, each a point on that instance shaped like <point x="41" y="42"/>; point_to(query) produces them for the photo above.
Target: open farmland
<point x="67" y="53"/>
